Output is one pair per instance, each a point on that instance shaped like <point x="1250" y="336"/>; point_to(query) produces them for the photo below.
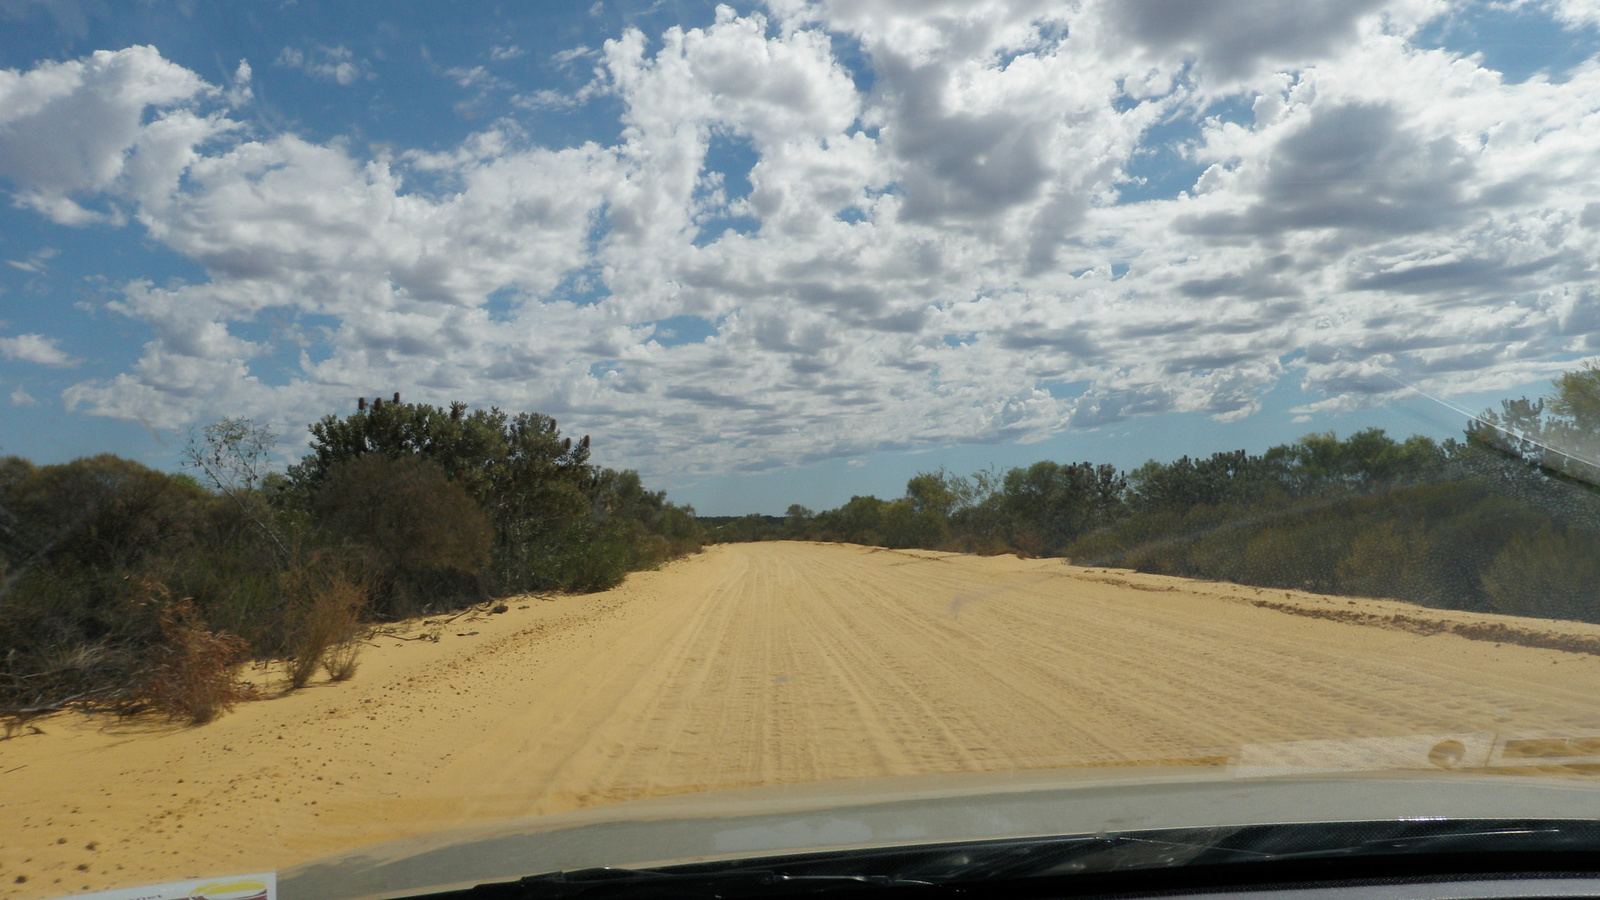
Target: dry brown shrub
<point x="331" y="599"/>
<point x="341" y="660"/>
<point x="195" y="671"/>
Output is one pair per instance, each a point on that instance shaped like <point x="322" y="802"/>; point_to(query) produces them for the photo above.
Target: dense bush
<point x="425" y="536"/>
<point x="557" y="520"/>
<point x="79" y="537"/>
<point x="1048" y="505"/>
<point x="1546" y="573"/>
<point x="1466" y="525"/>
<point x="100" y="512"/>
<point x="128" y="589"/>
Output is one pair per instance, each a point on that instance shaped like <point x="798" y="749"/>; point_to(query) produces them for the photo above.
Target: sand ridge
<point x="760" y="664"/>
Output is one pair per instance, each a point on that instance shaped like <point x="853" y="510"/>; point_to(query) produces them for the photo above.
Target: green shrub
<point x="238" y="585"/>
<point x="1388" y="559"/>
<point x="1547" y="574"/>
<point x="426" y="537"/>
<point x="580" y="556"/>
<point x="101" y="512"/>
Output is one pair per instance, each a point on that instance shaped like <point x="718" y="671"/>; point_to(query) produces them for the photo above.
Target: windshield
<point x="420" y="416"/>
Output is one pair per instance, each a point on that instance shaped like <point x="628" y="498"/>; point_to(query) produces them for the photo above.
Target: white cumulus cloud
<point x="70" y="127"/>
<point x="35" y="348"/>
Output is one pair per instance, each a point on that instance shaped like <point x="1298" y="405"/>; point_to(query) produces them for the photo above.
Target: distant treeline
<point x="1505" y="520"/>
<point x="126" y="588"/>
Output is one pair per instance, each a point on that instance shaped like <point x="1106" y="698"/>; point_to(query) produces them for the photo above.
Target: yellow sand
<point x="754" y="664"/>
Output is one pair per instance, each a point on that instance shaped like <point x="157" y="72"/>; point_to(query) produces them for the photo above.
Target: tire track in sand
<point x="801" y="661"/>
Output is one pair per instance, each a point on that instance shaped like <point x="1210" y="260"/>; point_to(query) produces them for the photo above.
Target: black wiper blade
<point x="913" y="867"/>
<point x="620" y="884"/>
<point x="1264" y="850"/>
<point x="1500" y="838"/>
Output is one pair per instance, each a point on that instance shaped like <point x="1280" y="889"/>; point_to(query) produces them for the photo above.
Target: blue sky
<point x="790" y="251"/>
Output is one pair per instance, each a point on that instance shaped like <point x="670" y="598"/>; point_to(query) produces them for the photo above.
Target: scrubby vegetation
<point x="1505" y="520"/>
<point x="130" y="590"/>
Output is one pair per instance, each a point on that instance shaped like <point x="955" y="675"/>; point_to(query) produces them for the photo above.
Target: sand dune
<point x="767" y="663"/>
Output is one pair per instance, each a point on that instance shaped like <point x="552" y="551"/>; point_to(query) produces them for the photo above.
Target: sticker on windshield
<point x="237" y="887"/>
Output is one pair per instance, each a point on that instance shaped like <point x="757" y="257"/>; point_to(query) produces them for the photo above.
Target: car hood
<point x="883" y="812"/>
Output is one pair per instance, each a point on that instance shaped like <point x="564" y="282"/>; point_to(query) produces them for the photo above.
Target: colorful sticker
<point x="237" y="887"/>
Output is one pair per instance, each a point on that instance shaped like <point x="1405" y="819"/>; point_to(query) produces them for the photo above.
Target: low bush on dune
<point x="329" y="600"/>
<point x="192" y="672"/>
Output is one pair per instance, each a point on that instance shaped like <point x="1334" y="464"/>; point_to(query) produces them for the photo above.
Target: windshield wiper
<point x="1256" y="853"/>
<point x="621" y="884"/>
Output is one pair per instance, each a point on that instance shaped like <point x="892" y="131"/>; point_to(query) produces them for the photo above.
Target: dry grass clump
<point x="340" y="660"/>
<point x="331" y="599"/>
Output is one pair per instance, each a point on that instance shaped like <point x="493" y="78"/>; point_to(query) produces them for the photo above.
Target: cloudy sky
<point x="792" y="250"/>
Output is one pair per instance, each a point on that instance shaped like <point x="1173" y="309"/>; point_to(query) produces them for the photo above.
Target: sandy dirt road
<point x="754" y="664"/>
